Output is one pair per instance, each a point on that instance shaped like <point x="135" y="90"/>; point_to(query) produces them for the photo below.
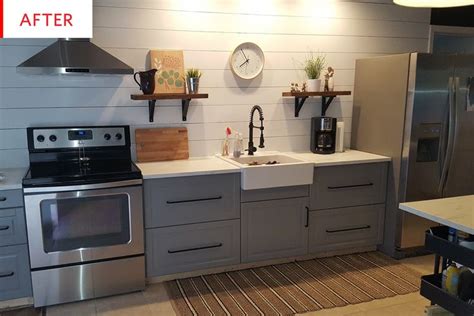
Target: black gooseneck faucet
<point x="251" y="148"/>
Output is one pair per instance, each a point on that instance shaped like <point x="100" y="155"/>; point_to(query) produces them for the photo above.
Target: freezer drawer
<point x="192" y="247"/>
<point x="12" y="226"/>
<point x="352" y="185"/>
<point x="345" y="228"/>
<point x="187" y="200"/>
<point x="15" y="280"/>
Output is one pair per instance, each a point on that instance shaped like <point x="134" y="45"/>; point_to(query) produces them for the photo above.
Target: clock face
<point x="247" y="60"/>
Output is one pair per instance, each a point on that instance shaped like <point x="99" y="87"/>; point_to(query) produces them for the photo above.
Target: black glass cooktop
<point x="74" y="173"/>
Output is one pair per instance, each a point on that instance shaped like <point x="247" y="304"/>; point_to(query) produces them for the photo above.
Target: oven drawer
<point x="11" y="198"/>
<point x="192" y="247"/>
<point x="351" y="185"/>
<point x="187" y="200"/>
<point x="343" y="228"/>
<point x="15" y="279"/>
<point x="12" y="226"/>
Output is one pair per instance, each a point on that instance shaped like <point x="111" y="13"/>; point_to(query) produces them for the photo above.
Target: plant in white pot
<point x="313" y="66"/>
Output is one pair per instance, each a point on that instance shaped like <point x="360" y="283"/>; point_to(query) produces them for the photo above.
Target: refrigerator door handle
<point x="450" y="142"/>
<point x="470" y="94"/>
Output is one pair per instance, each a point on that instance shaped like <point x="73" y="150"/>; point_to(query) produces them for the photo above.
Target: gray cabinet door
<point x="187" y="200"/>
<point x="192" y="247"/>
<point x="12" y="226"/>
<point x="346" y="228"/>
<point x="352" y="185"/>
<point x="274" y="229"/>
<point x="15" y="279"/>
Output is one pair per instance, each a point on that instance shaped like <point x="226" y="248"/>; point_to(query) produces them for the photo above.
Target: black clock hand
<point x="243" y="54"/>
<point x="245" y="62"/>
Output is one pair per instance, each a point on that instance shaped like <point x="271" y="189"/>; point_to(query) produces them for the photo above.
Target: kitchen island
<point x="455" y="212"/>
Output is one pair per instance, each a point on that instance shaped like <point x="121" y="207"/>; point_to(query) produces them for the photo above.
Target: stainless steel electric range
<point x="84" y="213"/>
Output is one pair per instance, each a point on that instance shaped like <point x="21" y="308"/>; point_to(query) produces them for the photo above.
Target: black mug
<point x="147" y="80"/>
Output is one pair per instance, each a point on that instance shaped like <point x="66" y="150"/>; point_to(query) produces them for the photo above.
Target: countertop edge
<point x="188" y="173"/>
<point x="14" y="178"/>
<point x="351" y="162"/>
<point x="436" y="219"/>
<point x="13" y="186"/>
<point x="373" y="158"/>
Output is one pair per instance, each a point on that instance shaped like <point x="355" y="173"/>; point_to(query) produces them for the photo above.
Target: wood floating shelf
<point x="184" y="97"/>
<point x="326" y="99"/>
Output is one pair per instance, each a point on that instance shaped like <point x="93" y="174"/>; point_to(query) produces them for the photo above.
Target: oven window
<point x="85" y="222"/>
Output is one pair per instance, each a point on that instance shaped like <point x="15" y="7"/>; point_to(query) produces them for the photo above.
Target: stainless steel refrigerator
<point x="419" y="110"/>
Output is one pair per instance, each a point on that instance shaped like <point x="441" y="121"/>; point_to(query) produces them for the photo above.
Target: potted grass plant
<point x="313" y="65"/>
<point x="192" y="80"/>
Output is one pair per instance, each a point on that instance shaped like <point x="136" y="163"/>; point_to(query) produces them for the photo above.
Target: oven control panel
<point x="51" y="138"/>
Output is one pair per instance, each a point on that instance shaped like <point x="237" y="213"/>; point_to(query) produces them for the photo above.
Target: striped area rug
<point x="296" y="287"/>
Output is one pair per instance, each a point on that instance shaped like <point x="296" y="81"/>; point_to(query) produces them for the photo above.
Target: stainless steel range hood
<point x="74" y="56"/>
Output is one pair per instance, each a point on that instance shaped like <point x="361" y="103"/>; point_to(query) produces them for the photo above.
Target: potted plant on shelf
<point x="192" y="80"/>
<point x="313" y="66"/>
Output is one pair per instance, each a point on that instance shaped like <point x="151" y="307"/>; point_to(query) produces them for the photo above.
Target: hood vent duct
<point x="74" y="56"/>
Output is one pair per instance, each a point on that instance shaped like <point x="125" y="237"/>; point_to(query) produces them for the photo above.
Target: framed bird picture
<point x="170" y="75"/>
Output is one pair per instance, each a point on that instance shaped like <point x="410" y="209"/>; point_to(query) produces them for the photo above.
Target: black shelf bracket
<point x="185" y="108"/>
<point x="325" y="103"/>
<point x="151" y="109"/>
<point x="299" y="101"/>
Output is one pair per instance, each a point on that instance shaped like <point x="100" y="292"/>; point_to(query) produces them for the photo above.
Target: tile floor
<point x="154" y="301"/>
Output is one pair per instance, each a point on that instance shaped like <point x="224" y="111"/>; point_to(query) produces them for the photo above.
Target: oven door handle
<point x="94" y="186"/>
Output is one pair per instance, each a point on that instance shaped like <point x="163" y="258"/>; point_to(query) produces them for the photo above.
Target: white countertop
<point x="13" y="178"/>
<point x="215" y="165"/>
<point x="349" y="157"/>
<point x="456" y="212"/>
<point x="190" y="167"/>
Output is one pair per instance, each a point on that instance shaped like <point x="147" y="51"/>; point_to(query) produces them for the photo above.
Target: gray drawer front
<point x="192" y="247"/>
<point x="352" y="185"/>
<point x="186" y="200"/>
<point x="15" y="279"/>
<point x="275" y="193"/>
<point x="11" y="198"/>
<point x="348" y="227"/>
<point x="12" y="227"/>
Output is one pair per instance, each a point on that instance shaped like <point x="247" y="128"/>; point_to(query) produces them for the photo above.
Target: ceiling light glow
<point x="434" y="3"/>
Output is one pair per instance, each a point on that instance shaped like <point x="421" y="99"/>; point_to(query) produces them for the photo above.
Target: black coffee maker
<point x="323" y="135"/>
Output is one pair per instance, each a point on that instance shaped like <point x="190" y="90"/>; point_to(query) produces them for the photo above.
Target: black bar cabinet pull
<point x="194" y="200"/>
<point x="351" y="186"/>
<point x="6" y="274"/>
<point x="347" y="229"/>
<point x="3" y="198"/>
<point x="217" y="245"/>
<point x="307" y="217"/>
<point x="5" y="227"/>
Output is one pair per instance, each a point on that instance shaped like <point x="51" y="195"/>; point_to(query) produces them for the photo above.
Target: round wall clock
<point x="247" y="60"/>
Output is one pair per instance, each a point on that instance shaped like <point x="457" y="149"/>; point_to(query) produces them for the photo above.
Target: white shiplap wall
<point x="207" y="31"/>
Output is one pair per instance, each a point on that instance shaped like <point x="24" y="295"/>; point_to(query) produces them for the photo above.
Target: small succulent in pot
<point x="192" y="80"/>
<point x="313" y="65"/>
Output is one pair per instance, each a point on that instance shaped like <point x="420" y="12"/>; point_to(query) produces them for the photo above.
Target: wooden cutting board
<point x="162" y="144"/>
